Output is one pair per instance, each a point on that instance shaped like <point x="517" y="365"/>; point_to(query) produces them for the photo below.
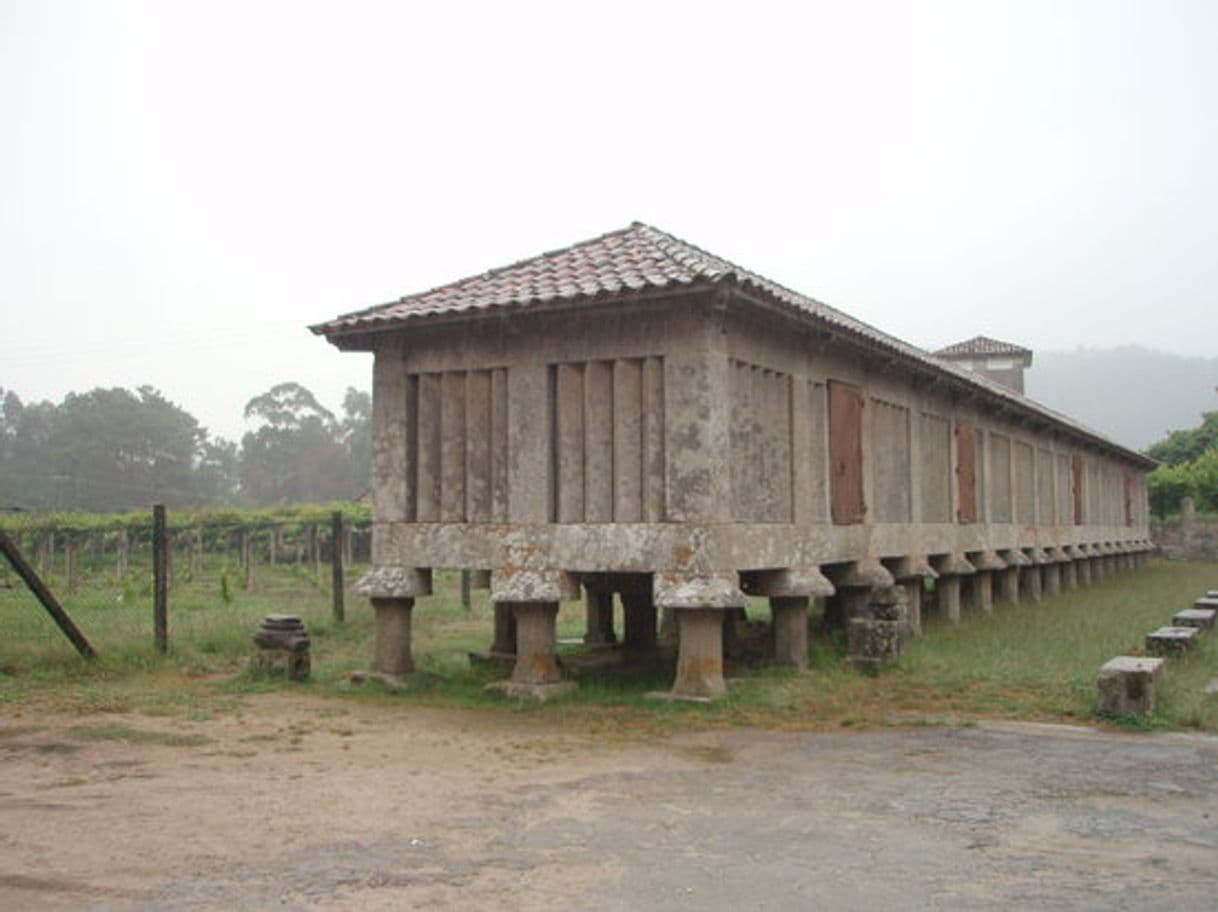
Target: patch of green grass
<point x="1031" y="661"/>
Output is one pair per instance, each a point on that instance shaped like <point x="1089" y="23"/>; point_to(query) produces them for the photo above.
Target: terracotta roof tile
<point x="982" y="345"/>
<point x="640" y="258"/>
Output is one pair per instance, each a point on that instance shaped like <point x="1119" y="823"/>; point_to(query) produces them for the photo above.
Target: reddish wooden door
<point x="846" y="452"/>
<point x="966" y="471"/>
<point x="1076" y="482"/>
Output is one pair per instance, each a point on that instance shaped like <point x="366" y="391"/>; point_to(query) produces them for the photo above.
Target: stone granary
<point x="643" y="419"/>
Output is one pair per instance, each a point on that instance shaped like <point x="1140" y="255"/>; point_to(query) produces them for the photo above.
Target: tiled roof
<point x="982" y="345"/>
<point x="638" y="260"/>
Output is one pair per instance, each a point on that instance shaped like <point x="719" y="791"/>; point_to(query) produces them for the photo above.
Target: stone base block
<point x="293" y="664"/>
<point x="1201" y="618"/>
<point x="497" y="659"/>
<point x="1209" y="601"/>
<point x="391" y="681"/>
<point x="871" y="643"/>
<point x="538" y="692"/>
<point x="669" y="696"/>
<point x="1128" y="684"/>
<point x="1171" y="641"/>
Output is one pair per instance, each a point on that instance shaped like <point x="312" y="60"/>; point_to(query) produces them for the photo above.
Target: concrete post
<point x="391" y="655"/>
<point x="1097" y="569"/>
<point x="700" y="654"/>
<point x="790" y="630"/>
<point x="598" y="612"/>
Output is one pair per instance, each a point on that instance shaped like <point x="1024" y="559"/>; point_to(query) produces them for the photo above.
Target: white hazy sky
<point x="185" y="186"/>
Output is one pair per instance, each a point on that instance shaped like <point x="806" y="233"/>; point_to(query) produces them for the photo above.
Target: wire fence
<point x="214" y="576"/>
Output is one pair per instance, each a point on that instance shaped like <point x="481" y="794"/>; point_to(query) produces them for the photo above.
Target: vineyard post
<point x="336" y="560"/>
<point x="160" y="581"/>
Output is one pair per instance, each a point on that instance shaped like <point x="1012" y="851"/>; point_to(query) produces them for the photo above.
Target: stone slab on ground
<point x="1201" y="618"/>
<point x="1209" y="601"/>
<point x="522" y="690"/>
<point x="1128" y="686"/>
<point x="1171" y="641"/>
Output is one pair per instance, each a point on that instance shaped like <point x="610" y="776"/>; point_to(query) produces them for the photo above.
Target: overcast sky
<point x="185" y="186"/>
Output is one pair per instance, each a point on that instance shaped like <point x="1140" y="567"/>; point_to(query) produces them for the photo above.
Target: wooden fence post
<point x="121" y="554"/>
<point x="160" y="581"/>
<point x="336" y="564"/>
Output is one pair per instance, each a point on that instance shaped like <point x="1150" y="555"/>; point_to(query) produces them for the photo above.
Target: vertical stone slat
<point x="654" y="467"/>
<point x="598" y="442"/>
<point x="499" y="445"/>
<point x="429" y="448"/>
<point x="389" y="449"/>
<point x="530" y="456"/>
<point x="478" y="446"/>
<point x="628" y="441"/>
<point x="452" y="446"/>
<point x="569" y="435"/>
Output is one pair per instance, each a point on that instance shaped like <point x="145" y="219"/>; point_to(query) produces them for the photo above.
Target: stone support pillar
<point x="536" y="643"/>
<point x="504" y="643"/>
<point x="1069" y="575"/>
<point x="947" y="591"/>
<point x="950" y="568"/>
<point x="699" y="603"/>
<point x="392" y="592"/>
<point x="1029" y="582"/>
<point x="909" y="572"/>
<point x="1053" y="580"/>
<point x="391" y="652"/>
<point x="639" y="611"/>
<point x="1082" y="568"/>
<point x="598" y="613"/>
<point x="1010" y="585"/>
<point x="790" y="631"/>
<point x="699" y="654"/>
<point x="981" y="593"/>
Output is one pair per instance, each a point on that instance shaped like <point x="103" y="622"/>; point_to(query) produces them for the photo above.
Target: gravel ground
<point x="307" y="804"/>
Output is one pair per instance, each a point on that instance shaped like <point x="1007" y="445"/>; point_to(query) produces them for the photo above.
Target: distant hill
<point x="1132" y="394"/>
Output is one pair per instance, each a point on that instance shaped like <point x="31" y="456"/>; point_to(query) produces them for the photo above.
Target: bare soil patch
<point x="301" y="803"/>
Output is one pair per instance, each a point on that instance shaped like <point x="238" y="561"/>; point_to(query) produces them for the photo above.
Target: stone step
<point x="1201" y="618"/>
<point x="1171" y="641"/>
<point x="1128" y="686"/>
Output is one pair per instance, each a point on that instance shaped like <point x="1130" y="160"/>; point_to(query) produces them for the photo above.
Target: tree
<point x="1190" y="468"/>
<point x="298" y="454"/>
<point x="1188" y="445"/>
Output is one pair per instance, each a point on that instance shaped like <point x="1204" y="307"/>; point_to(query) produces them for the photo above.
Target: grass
<point x="1032" y="661"/>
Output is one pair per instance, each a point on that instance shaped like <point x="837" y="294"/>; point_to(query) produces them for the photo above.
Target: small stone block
<point x="1127" y="686"/>
<point x="1208" y="602"/>
<point x="1201" y="618"/>
<point x="392" y="682"/>
<point x="539" y="692"/>
<point x="1212" y="593"/>
<point x="1170" y="641"/>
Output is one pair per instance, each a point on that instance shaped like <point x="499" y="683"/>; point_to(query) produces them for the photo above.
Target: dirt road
<point x="304" y="804"/>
